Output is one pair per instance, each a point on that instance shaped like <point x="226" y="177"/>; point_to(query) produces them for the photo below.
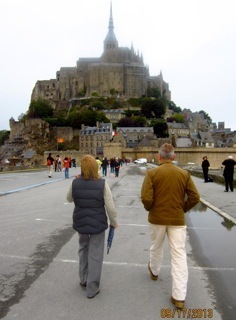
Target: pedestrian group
<point x="167" y="193"/>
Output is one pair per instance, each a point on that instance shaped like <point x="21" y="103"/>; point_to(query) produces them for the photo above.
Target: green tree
<point x="59" y="119"/>
<point x="40" y="109"/>
<point x="153" y="108"/>
<point x="126" y="122"/>
<point x="172" y="106"/>
<point x="135" y="102"/>
<point x="81" y="93"/>
<point x="116" y="104"/>
<point x="4" y="135"/>
<point x="140" y="121"/>
<point x="206" y="116"/>
<point x="160" y="129"/>
<point x="22" y="117"/>
<point x="98" y="105"/>
<point x="154" y="92"/>
<point x="95" y="94"/>
<point x="131" y="113"/>
<point x="86" y="117"/>
<point x="179" y="118"/>
<point x="114" y="92"/>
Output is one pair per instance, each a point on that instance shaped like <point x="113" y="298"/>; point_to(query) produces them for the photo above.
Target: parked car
<point x="141" y="161"/>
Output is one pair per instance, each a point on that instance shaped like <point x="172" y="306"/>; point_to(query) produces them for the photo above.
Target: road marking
<point x="29" y="187"/>
<point x="133" y="225"/>
<point x="204" y="228"/>
<point x="128" y="206"/>
<point x="49" y="220"/>
<point x="129" y="196"/>
<point x="14" y="257"/>
<point x="142" y="265"/>
<point x="126" y="264"/>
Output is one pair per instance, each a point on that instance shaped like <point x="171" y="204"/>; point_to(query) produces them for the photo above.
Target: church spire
<point x="110" y="42"/>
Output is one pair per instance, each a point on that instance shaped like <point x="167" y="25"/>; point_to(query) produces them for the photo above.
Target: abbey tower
<point x="119" y="68"/>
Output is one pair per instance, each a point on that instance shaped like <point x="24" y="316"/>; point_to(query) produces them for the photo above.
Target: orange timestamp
<point x="196" y="313"/>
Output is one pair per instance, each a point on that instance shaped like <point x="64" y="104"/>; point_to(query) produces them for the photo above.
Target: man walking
<point x="50" y="161"/>
<point x="228" y="173"/>
<point x="167" y="193"/>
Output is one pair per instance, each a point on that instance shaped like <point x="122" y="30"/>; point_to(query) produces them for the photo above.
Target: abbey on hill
<point x="119" y="68"/>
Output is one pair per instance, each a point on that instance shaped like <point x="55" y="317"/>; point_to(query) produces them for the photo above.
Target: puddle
<point x="216" y="235"/>
<point x="213" y="241"/>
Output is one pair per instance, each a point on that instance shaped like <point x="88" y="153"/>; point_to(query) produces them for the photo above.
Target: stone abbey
<point x="119" y="69"/>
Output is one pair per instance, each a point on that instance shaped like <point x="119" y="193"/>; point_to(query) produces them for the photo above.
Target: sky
<point x="193" y="43"/>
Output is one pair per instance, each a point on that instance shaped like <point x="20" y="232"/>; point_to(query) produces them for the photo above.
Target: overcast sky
<point x="193" y="42"/>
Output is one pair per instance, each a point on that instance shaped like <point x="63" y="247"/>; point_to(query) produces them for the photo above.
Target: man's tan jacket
<point x="167" y="193"/>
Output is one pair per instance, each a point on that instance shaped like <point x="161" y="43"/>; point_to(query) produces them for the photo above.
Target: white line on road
<point x="50" y="220"/>
<point x="133" y="225"/>
<point x="14" y="257"/>
<point x="142" y="265"/>
<point x="129" y="196"/>
<point x="136" y="225"/>
<point x="126" y="264"/>
<point x="128" y="206"/>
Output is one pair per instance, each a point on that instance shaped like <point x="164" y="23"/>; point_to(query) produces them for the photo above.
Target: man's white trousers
<point x="179" y="269"/>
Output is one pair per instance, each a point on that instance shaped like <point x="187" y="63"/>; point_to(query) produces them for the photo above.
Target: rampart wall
<point x="184" y="156"/>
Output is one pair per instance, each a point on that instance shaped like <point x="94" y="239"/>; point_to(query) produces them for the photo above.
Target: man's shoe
<point x="178" y="303"/>
<point x="91" y="297"/>
<point x="225" y="190"/>
<point x="153" y="277"/>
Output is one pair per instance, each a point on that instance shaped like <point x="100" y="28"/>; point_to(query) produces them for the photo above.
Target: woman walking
<point x="205" y="168"/>
<point x="93" y="201"/>
<point x="66" y="165"/>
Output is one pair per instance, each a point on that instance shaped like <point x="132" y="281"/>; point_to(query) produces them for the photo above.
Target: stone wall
<point x="183" y="155"/>
<point x="112" y="149"/>
<point x="19" y="128"/>
<point x="194" y="155"/>
<point x="190" y="157"/>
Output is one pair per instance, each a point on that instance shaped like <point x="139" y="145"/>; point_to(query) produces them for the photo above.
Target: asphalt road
<point x="39" y="261"/>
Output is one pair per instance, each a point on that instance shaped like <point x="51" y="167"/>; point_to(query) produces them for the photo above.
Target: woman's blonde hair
<point x="89" y="168"/>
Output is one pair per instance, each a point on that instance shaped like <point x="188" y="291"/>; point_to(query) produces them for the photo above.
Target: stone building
<point x="133" y="135"/>
<point x="91" y="139"/>
<point x="119" y="69"/>
<point x="114" y="115"/>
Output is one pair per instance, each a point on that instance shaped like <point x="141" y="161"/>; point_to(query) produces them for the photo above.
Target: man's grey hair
<point x="167" y="151"/>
